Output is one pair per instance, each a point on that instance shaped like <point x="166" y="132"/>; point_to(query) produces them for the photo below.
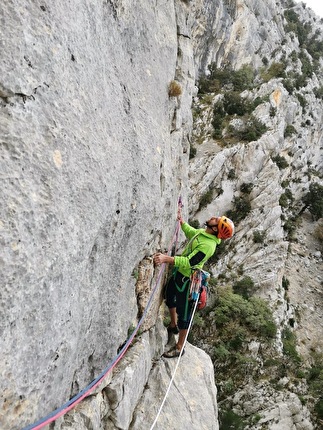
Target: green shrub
<point x="230" y="420"/>
<point x="300" y="81"/>
<point x="245" y="287"/>
<point x="293" y="56"/>
<point x="289" y="130"/>
<point x="131" y="329"/>
<point x="313" y="200"/>
<point x="259" y="236"/>
<point x="300" y="374"/>
<point x="285" y="283"/>
<point x="272" y="111"/>
<point x="241" y="208"/>
<point x="217" y="133"/>
<point x="256" y="418"/>
<point x="204" y="85"/>
<point x="291" y="16"/>
<point x="234" y="104"/>
<point x="286" y="198"/>
<point x="302" y="102"/>
<point x="295" y="25"/>
<point x="246" y="188"/>
<point x="224" y="75"/>
<point x="283" y="201"/>
<point x="265" y="61"/>
<point x="275" y="70"/>
<point x="319" y="231"/>
<point x="228" y="388"/>
<point x="315" y="375"/>
<point x="238" y="339"/>
<point x="241" y="79"/>
<point x="233" y="322"/>
<point x="231" y="174"/>
<point x="289" y="345"/>
<point x="307" y="66"/>
<point x="193" y="151"/>
<point x="302" y="399"/>
<point x="271" y="362"/>
<point x="280" y="161"/>
<point x="315" y="46"/>
<point x="221" y="352"/>
<point x="290" y="226"/>
<point x="318" y="408"/>
<point x="261" y="320"/>
<point x="289" y="194"/>
<point x="252" y="315"/>
<point x="318" y="92"/>
<point x="206" y="199"/>
<point x="218" y="78"/>
<point x="198" y="320"/>
<point x="218" y="118"/>
<point x="289" y="84"/>
<point x="253" y="129"/>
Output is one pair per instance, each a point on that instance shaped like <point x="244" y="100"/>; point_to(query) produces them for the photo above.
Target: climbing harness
<point x="96" y="382"/>
<point x="178" y="360"/>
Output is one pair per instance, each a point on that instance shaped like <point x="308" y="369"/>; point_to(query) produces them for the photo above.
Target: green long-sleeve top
<point x="200" y="248"/>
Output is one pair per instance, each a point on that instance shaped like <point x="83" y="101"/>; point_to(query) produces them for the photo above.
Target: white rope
<point x="179" y="357"/>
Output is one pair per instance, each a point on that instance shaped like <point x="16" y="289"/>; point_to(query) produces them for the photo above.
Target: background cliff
<point x="95" y="153"/>
<point x="257" y="155"/>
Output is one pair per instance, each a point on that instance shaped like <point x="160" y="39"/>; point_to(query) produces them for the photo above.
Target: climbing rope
<point x="96" y="382"/>
<point x="177" y="364"/>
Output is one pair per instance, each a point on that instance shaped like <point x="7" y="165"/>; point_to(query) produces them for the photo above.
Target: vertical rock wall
<point x="93" y="158"/>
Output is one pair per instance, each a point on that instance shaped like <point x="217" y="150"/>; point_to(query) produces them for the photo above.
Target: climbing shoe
<point x="173" y="353"/>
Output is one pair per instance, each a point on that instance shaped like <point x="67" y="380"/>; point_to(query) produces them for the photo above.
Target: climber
<point x="201" y="246"/>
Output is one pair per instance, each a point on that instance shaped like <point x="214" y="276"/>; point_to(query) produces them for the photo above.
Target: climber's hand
<point x="160" y="258"/>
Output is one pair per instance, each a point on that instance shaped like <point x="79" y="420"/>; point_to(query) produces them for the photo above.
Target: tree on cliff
<point x="313" y="201"/>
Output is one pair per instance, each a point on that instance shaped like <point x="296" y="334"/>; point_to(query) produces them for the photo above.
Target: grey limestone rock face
<point x="254" y="162"/>
<point x="236" y="38"/>
<point x="283" y="410"/>
<point x="134" y="396"/>
<point x="91" y="171"/>
<point x="237" y="32"/>
<point x="94" y="154"/>
<point x="193" y="381"/>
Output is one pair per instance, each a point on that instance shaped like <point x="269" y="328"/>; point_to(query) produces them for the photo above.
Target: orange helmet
<point x="225" y="228"/>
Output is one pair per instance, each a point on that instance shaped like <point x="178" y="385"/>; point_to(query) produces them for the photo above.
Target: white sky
<point x="315" y="5"/>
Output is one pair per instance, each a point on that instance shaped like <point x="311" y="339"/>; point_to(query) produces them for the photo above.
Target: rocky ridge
<point x="221" y="167"/>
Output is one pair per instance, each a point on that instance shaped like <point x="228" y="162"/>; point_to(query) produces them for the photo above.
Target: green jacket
<point x="199" y="249"/>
